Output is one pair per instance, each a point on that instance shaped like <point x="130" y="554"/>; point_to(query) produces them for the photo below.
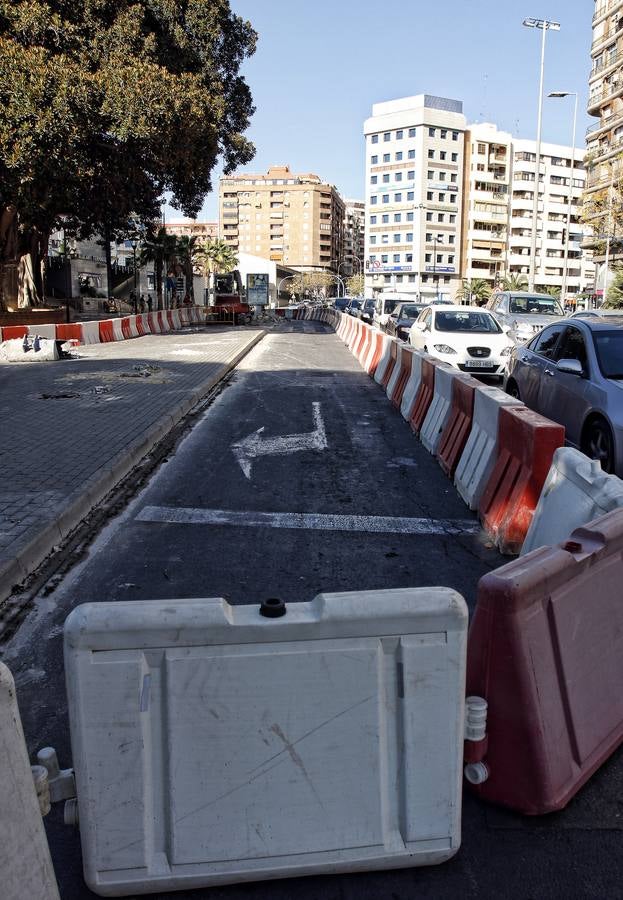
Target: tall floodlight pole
<point x="565" y="269"/>
<point x="544" y="25"/>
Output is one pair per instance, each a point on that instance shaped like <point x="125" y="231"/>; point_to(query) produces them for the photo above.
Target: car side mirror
<point x="571" y="366"/>
<point x="506" y="329"/>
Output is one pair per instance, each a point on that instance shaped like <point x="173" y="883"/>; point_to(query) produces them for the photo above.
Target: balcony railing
<point x="608" y="90"/>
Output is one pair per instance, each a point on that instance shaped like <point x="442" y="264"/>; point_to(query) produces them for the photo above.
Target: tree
<point x="614" y="297"/>
<point x="550" y="289"/>
<point x="216" y="256"/>
<point x="476" y="291"/>
<point x="355" y="285"/>
<point x="186" y="253"/>
<point x="310" y="283"/>
<point x="517" y="281"/>
<point x="106" y="105"/>
<point x="158" y="247"/>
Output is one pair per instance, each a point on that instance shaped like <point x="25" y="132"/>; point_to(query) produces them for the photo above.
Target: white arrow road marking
<point x="255" y="445"/>
<point x="176" y="515"/>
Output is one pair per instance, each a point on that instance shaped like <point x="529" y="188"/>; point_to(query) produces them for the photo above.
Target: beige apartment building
<point x="604" y="139"/>
<point x="203" y="231"/>
<point x="292" y="219"/>
<point x="486" y="190"/>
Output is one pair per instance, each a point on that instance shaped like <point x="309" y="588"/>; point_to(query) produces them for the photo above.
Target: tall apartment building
<point x="557" y="184"/>
<point x="280" y="216"/>
<point x="414" y="173"/>
<point x="353" y="240"/>
<point x="604" y="140"/>
<point x="486" y="190"/>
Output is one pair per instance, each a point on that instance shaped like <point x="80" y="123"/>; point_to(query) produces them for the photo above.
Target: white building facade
<point x="560" y="231"/>
<point x="414" y="174"/>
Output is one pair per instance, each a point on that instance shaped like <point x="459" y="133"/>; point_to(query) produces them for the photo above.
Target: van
<point x="384" y="305"/>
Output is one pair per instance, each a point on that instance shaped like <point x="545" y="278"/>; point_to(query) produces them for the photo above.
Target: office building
<point x="292" y="219"/>
<point x="414" y="174"/>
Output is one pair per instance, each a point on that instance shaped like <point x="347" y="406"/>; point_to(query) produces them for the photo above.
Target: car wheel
<point x="512" y="390"/>
<point x="598" y="444"/>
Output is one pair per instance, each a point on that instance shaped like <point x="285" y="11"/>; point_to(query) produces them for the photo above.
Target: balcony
<point x="597" y="98"/>
<point x="609" y="60"/>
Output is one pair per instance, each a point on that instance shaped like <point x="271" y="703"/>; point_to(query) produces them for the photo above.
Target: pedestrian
<point x="142" y="303"/>
<point x="133" y="302"/>
<point x="150" y="302"/>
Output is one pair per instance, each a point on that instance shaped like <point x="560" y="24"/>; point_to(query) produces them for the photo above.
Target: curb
<point x="43" y="541"/>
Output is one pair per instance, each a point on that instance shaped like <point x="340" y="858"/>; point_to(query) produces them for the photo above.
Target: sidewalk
<point x="73" y="429"/>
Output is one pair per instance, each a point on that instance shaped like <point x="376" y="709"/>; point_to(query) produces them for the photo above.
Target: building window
<point x="429" y="236"/>
<point x="440" y="217"/>
<point x="409" y="236"/>
<point x="412" y="132"/>
<point x="373" y="239"/>
<point x="442" y="198"/>
<point x="439" y="257"/>
<point x="398" y="176"/>
<point x="482" y="149"/>
<point x="442" y="176"/>
<point x="430" y="174"/>
<point x="374" y="159"/>
<point x="453" y="177"/>
<point x="455" y="157"/>
<point x="398" y="156"/>
<point x="411" y="154"/>
<point x="450" y="259"/>
<point x="429" y="195"/>
<point x="451" y="238"/>
<point x="444" y="133"/>
<point x="452" y="198"/>
<point x="428" y="257"/>
<point x="372" y="220"/>
<point x="429" y="217"/>
<point x="431" y="154"/>
<point x="397" y="238"/>
<point x="399" y="134"/>
<point x="387" y="136"/>
<point x="397" y="217"/>
<point x="411" y="174"/>
<point x="397" y="198"/>
<point x="386" y="157"/>
<point x="431" y="132"/>
<point x="396" y="257"/>
<point x="385" y="179"/>
<point x="373" y="200"/>
<point x="452" y="218"/>
<point x="409" y="217"/>
<point x="442" y="154"/>
<point x="408" y="257"/>
<point x="384" y="257"/>
<point x="385" y="239"/>
<point x="375" y="138"/>
<point x="374" y="179"/>
<point x="385" y="198"/>
<point x="385" y="218"/>
<point x="455" y="135"/>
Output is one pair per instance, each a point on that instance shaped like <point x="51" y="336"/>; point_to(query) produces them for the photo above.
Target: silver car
<point x="524" y="313"/>
<point x="572" y="373"/>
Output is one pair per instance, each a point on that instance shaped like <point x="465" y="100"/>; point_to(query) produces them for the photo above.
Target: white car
<point x="467" y="337"/>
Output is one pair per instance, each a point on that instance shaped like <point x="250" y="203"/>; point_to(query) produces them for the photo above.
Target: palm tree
<point x="185" y="253"/>
<point x="158" y="247"/>
<point x="215" y="256"/>
<point x="515" y="282"/>
<point x="550" y="289"/>
<point x="477" y="290"/>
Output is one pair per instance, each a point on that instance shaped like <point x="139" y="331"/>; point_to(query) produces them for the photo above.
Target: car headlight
<point x="443" y="348"/>
<point x="507" y="350"/>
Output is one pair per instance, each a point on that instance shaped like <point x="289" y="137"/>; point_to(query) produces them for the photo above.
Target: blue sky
<point x="320" y="66"/>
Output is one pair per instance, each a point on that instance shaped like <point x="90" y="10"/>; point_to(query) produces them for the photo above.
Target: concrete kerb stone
<point x="94" y="489"/>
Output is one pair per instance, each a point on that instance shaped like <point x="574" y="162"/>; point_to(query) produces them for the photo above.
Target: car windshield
<point x="354" y="304"/>
<point x="609" y="347"/>
<point x="410" y="311"/>
<point x="482" y="322"/>
<point x="535" y="306"/>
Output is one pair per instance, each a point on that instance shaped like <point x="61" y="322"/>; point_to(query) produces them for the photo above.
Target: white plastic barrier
<point x="134" y="332"/>
<point x="371" y="349"/>
<point x="176" y="319"/>
<point x="117" y="330"/>
<point x="212" y="744"/>
<point x="386" y="355"/>
<point x="440" y="408"/>
<point x="575" y="492"/>
<point x="25" y="866"/>
<point x="13" y="350"/>
<point x="480" y="453"/>
<point x="393" y="378"/>
<point x="44" y="331"/>
<point x="413" y="384"/>
<point x="90" y="333"/>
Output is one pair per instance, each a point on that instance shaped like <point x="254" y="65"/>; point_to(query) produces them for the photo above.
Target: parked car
<point x="467" y="337"/>
<point x="399" y="322"/>
<point x="384" y="306"/>
<point x="366" y="311"/>
<point x="353" y="306"/>
<point x="572" y="373"/>
<point x="340" y="303"/>
<point x="524" y="313"/>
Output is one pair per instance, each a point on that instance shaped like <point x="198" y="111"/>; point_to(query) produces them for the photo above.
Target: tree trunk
<point x="32" y="248"/>
<point x="108" y="258"/>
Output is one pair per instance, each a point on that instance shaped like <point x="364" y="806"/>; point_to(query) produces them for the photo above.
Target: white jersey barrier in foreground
<point x="481" y="450"/>
<point x="575" y="492"/>
<point x="212" y="744"/>
<point x="29" y="350"/>
<point x="25" y="866"/>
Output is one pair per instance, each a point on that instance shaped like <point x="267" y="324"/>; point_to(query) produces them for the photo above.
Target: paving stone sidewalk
<point x="71" y="430"/>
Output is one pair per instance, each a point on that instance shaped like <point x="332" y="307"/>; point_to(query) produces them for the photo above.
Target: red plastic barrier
<point x="11" y="332"/>
<point x="170" y="319"/>
<point x="125" y="328"/>
<point x="545" y="649"/>
<point x="162" y="320"/>
<point x="362" y="338"/>
<point x="106" y="331"/>
<point x="390" y="364"/>
<point x="139" y="325"/>
<point x="375" y="354"/>
<point x="406" y="362"/>
<point x="154" y="326"/>
<point x="424" y="396"/>
<point x="455" y="434"/>
<point x="69" y="332"/>
<point x="526" y="444"/>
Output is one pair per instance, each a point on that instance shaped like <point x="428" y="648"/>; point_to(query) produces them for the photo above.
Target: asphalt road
<point x="285" y="488"/>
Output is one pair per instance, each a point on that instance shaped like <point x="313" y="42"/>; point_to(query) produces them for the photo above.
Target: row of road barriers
<point x="352" y="760"/>
<point x="105" y="331"/>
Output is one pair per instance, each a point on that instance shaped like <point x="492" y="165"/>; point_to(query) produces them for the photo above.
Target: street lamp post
<point x="417" y="253"/>
<point x="134" y="243"/>
<point x="544" y="25"/>
<point x="565" y="269"/>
